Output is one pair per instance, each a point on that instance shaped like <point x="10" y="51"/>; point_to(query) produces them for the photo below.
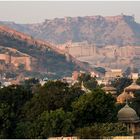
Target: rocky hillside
<point x="115" y="30"/>
<point x="48" y="58"/>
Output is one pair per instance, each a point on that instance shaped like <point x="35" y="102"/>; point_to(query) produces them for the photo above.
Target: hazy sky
<point x="37" y="11"/>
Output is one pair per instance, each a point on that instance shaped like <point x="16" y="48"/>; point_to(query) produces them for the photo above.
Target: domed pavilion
<point x="110" y="89"/>
<point x="123" y="97"/>
<point x="129" y="117"/>
<point x="133" y="87"/>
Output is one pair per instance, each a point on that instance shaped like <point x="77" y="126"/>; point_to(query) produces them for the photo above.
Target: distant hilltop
<point x="111" y="30"/>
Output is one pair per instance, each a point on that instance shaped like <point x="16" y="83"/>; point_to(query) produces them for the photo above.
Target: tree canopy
<point x="56" y="109"/>
<point x="96" y="106"/>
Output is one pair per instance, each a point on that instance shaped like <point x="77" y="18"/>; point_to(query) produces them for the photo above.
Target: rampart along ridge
<point x="17" y="61"/>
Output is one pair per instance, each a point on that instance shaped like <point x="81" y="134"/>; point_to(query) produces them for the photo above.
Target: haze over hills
<point x="42" y="56"/>
<point x="115" y="30"/>
<point x="39" y="56"/>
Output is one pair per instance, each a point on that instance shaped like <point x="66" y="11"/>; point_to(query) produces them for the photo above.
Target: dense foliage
<point x="56" y="109"/>
<point x="88" y="81"/>
<point x="102" y="130"/>
<point x="120" y="83"/>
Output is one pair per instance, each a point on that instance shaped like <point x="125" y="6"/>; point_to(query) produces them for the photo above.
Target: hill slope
<point x="48" y="58"/>
<point x="115" y="30"/>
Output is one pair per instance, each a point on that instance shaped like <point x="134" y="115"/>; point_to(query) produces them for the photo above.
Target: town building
<point x="110" y="89"/>
<point x="129" y="91"/>
<point x="113" y="73"/>
<point x="123" y="97"/>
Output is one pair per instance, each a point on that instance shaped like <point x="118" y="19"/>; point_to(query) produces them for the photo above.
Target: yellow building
<point x="129" y="91"/>
<point x="123" y="97"/>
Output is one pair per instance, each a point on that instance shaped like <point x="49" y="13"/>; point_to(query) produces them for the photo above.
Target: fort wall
<point x="17" y="61"/>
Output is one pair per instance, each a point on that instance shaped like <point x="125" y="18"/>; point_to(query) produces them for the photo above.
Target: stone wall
<point x="16" y="61"/>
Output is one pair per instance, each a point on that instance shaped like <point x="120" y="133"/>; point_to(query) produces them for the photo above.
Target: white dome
<point x="127" y="114"/>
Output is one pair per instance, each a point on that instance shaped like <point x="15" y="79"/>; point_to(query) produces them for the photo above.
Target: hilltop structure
<point x="17" y="61"/>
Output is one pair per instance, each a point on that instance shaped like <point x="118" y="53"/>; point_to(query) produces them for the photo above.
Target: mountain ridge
<point x="110" y="30"/>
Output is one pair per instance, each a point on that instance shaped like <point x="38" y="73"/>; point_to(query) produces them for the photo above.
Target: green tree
<point x="5" y="120"/>
<point x="127" y="71"/>
<point x="88" y="81"/>
<point x="102" y="130"/>
<point x="28" y="130"/>
<point x="15" y="96"/>
<point x="121" y="83"/>
<point x="12" y="99"/>
<point x="91" y="84"/>
<point x="96" y="106"/>
<point x="135" y="102"/>
<point x="30" y="83"/>
<point x="138" y="81"/>
<point x="84" y="77"/>
<point x="48" y="124"/>
<point x="56" y="123"/>
<point x="53" y="95"/>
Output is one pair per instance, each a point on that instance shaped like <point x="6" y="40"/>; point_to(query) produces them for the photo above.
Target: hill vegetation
<point x="48" y="59"/>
